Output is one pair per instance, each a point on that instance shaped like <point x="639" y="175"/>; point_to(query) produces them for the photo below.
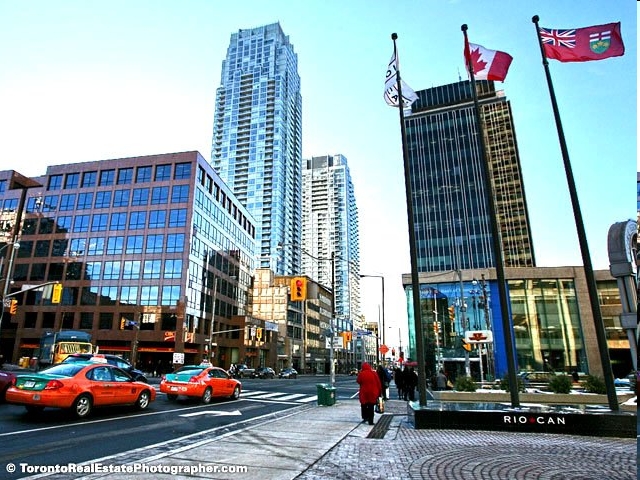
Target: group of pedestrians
<point x="374" y="384"/>
<point x="406" y="381"/>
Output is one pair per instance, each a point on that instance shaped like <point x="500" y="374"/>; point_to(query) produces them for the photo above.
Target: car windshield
<point x="64" y="369"/>
<point x="190" y="370"/>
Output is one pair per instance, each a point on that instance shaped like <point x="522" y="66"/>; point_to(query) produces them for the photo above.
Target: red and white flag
<point x="487" y="64"/>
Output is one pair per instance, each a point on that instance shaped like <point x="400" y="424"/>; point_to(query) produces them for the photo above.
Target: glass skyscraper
<point x="257" y="147"/>
<point x="330" y="225"/>
<point x="451" y="219"/>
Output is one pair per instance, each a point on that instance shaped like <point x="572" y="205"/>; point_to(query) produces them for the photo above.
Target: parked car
<point x="264" y="372"/>
<point x="79" y="386"/>
<point x="288" y="373"/>
<point x="114" y="360"/>
<point x="200" y="381"/>
<point x="531" y="378"/>
<point x="243" y="371"/>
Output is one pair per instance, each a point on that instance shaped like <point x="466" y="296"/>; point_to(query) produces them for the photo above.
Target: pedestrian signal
<point x="298" y="289"/>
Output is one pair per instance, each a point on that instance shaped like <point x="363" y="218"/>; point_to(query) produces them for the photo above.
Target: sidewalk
<point x="316" y="443"/>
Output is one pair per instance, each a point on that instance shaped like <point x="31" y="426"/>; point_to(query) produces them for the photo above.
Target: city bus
<point x="56" y="346"/>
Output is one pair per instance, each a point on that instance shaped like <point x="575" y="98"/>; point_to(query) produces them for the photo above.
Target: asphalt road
<point x="56" y="437"/>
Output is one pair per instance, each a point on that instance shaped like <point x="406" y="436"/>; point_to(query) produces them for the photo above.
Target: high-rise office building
<point x="451" y="219"/>
<point x="158" y="241"/>
<point x="256" y="146"/>
<point x="330" y="227"/>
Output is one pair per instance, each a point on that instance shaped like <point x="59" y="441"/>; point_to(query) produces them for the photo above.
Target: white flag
<point x="391" y="86"/>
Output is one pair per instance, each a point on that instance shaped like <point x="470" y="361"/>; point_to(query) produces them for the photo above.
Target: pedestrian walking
<point x="370" y="390"/>
<point x="409" y="383"/>
<point x="384" y="377"/>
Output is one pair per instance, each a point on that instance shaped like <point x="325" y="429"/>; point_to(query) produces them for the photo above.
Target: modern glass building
<point x="257" y="146"/>
<point x="157" y="241"/>
<point x="453" y="229"/>
<point x="330" y="227"/>
<point x="553" y="327"/>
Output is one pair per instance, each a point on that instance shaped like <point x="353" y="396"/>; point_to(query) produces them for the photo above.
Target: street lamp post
<point x="381" y="278"/>
<point x="332" y="259"/>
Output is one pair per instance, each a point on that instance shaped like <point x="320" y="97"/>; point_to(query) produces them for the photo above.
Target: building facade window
<point x="107" y="177"/>
<point x="103" y="199"/>
<point x="140" y="197"/>
<point x="134" y="244"/>
<point x="89" y="179"/>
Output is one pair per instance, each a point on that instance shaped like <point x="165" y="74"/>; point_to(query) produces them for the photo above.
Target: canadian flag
<point x="487" y="64"/>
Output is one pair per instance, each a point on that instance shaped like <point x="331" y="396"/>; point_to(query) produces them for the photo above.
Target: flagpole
<point x="582" y="237"/>
<point x="496" y="239"/>
<point x="415" y="282"/>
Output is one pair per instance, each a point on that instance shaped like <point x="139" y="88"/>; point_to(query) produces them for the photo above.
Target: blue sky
<point x="91" y="80"/>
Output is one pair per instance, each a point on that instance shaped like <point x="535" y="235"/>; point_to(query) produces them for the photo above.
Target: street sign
<point x="478" y="336"/>
<point x="178" y="358"/>
<point x="383" y="349"/>
<point x="6" y="302"/>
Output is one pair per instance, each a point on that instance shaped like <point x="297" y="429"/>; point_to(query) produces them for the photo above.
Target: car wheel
<point x="82" y="406"/>
<point x="206" y="396"/>
<point x="143" y="400"/>
<point x="236" y="393"/>
<point x="33" y="409"/>
<point x="171" y="397"/>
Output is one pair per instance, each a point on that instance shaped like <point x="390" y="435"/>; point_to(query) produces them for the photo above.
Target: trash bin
<point x="326" y="394"/>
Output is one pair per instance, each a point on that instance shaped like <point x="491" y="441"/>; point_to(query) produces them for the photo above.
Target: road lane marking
<point x="217" y="413"/>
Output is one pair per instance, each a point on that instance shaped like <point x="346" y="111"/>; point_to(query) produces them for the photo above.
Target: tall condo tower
<point x="450" y="196"/>
<point x="256" y="147"/>
<point x="330" y="226"/>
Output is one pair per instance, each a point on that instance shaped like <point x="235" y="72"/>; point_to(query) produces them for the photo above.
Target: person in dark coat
<point x="370" y="390"/>
<point x="384" y="380"/>
<point x="409" y="383"/>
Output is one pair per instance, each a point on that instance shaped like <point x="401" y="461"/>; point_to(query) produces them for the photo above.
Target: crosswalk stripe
<point x="292" y="396"/>
<point x="252" y="392"/>
<point x="268" y="395"/>
<point x="279" y="396"/>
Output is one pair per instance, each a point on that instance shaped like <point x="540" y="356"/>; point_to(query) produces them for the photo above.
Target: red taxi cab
<point x="79" y="387"/>
<point x="200" y="381"/>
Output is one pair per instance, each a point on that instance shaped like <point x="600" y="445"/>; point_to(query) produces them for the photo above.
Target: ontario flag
<point x="582" y="44"/>
<point x="487" y="64"/>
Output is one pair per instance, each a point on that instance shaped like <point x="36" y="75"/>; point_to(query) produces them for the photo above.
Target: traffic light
<point x="466" y="346"/>
<point x="123" y="323"/>
<point x="298" y="289"/>
<point x="452" y="313"/>
<point x="436" y="327"/>
<point x="259" y="333"/>
<point x="56" y="296"/>
<point x="13" y="307"/>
